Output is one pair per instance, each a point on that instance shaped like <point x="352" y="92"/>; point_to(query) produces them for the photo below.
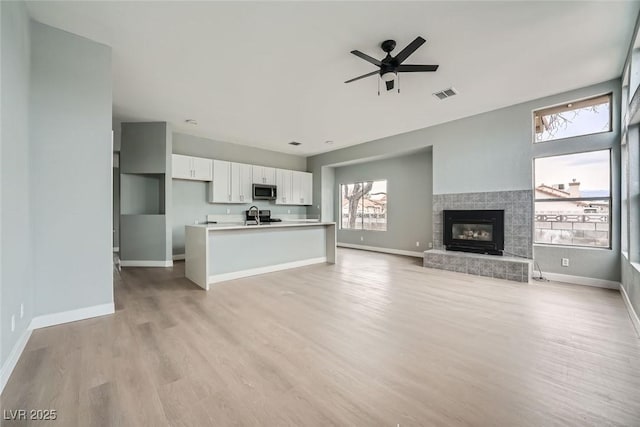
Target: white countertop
<point x="241" y="226"/>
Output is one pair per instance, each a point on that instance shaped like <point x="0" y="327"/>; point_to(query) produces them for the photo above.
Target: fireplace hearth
<point x="477" y="231"/>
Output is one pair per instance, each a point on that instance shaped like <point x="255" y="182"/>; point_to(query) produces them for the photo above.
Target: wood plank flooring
<point x="375" y="340"/>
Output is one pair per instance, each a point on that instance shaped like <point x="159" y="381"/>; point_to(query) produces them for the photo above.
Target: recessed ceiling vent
<point x="294" y="143"/>
<point x="446" y="93"/>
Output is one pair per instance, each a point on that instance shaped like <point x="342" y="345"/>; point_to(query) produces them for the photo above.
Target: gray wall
<point x="630" y="266"/>
<point x="116" y="207"/>
<point x="209" y="148"/>
<point x="409" y="194"/>
<point x="16" y="279"/>
<point x="71" y="155"/>
<point x="493" y="152"/>
<point x="145" y="188"/>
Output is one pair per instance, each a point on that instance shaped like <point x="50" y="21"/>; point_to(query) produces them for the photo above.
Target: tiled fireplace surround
<point x="518" y="232"/>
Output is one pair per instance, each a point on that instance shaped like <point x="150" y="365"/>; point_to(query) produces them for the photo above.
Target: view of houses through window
<point x="364" y="205"/>
<point x="573" y="199"/>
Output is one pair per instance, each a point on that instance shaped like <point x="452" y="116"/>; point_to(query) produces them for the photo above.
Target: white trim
<point x="215" y="278"/>
<point x="580" y="280"/>
<point x="130" y="263"/>
<point x="14" y="356"/>
<point x="71" y="315"/>
<point x="116" y="249"/>
<point x="635" y="320"/>
<point x="384" y="250"/>
<point x="179" y="257"/>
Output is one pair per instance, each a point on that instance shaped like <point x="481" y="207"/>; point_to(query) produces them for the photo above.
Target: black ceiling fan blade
<point x="411" y="47"/>
<point x="366" y="57"/>
<point x="389" y="84"/>
<point x="416" y="68"/>
<point x="363" y="76"/>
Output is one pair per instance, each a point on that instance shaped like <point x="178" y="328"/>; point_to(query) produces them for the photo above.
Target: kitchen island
<point x="218" y="252"/>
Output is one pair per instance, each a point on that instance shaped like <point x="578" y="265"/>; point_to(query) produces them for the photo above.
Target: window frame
<point x="537" y="110"/>
<point x="340" y="227"/>
<point x="572" y="199"/>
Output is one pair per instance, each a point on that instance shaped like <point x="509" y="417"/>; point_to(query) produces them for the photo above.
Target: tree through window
<point x="364" y="205"/>
<point x="576" y="118"/>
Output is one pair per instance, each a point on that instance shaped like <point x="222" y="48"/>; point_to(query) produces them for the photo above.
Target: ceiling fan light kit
<point x="390" y="66"/>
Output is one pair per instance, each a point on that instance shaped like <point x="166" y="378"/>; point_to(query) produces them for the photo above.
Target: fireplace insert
<point x="479" y="231"/>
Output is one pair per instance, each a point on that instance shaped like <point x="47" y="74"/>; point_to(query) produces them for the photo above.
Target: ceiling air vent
<point x="446" y="93"/>
<point x="294" y="143"/>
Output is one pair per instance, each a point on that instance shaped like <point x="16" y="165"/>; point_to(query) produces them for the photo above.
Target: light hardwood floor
<point x="375" y="340"/>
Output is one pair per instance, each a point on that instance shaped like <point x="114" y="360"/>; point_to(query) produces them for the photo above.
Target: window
<point x="364" y="206"/>
<point x="584" y="117"/>
<point x="573" y="199"/>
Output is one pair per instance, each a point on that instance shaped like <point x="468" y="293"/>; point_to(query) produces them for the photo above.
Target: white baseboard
<point x="130" y="263"/>
<point x="71" y="315"/>
<point x="14" y="356"/>
<point x="116" y="249"/>
<point x="384" y="250"/>
<point x="261" y="270"/>
<point x="632" y="313"/>
<point x="580" y="280"/>
<point x="179" y="257"/>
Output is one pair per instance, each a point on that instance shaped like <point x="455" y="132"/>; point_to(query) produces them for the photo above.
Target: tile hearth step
<point x="499" y="267"/>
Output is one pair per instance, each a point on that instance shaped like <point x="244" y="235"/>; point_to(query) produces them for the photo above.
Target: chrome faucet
<point x="257" y="214"/>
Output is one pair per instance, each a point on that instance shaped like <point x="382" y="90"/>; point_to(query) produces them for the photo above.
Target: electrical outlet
<point x="417" y="244"/>
<point x="228" y="211"/>
<point x="318" y="206"/>
<point x="288" y="211"/>
<point x="21" y="310"/>
<point x="195" y="221"/>
<point x="430" y="245"/>
<point x="362" y="238"/>
<point x="13" y="322"/>
<point x="565" y="262"/>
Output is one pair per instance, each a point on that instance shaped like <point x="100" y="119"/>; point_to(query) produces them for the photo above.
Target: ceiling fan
<point x="390" y="66"/>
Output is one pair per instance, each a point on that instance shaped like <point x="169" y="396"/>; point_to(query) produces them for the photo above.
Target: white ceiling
<point x="264" y="74"/>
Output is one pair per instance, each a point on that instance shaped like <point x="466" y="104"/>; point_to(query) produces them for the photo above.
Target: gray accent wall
<point x="409" y="192"/>
<point x="16" y="277"/>
<point x="202" y="147"/>
<point x="493" y="151"/>
<point x="71" y="167"/>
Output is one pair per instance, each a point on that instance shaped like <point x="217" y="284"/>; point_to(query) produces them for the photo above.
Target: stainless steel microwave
<point x="264" y="192"/>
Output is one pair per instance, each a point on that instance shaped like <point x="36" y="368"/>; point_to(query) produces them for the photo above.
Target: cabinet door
<point x="202" y="169"/>
<point x="307" y="188"/>
<point x="220" y="188"/>
<point x="257" y="174"/>
<point x="245" y="184"/>
<point x="235" y="183"/>
<point x="283" y="182"/>
<point x="296" y="188"/>
<point x="269" y="176"/>
<point x="181" y="167"/>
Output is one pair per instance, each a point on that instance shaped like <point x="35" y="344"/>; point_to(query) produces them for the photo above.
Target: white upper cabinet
<point x="294" y="187"/>
<point x="302" y="188"/>
<point x="307" y="189"/>
<point x="284" y="183"/>
<point x="181" y="167"/>
<point x="241" y="183"/>
<point x="231" y="183"/>
<point x="263" y="175"/>
<point x="193" y="168"/>
<point x="220" y="188"/>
